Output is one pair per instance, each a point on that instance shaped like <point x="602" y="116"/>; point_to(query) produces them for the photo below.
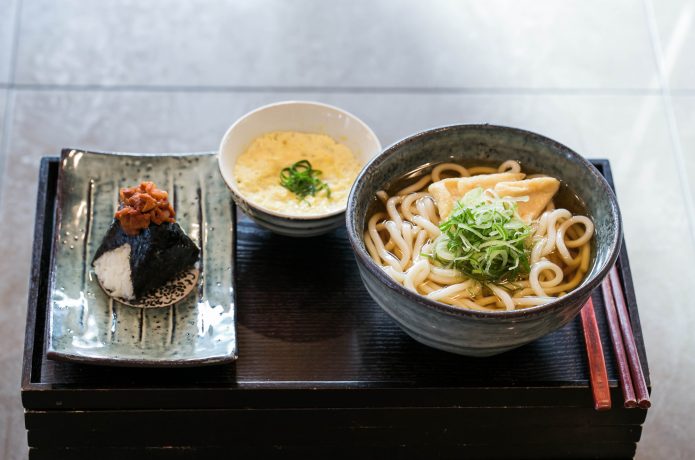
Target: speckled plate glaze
<point x="172" y="292"/>
<point x="85" y="324"/>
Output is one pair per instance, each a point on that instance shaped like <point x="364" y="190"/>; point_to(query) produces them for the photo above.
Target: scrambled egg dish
<point x="258" y="169"/>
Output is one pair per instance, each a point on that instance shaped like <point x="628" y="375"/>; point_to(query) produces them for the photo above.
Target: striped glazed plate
<point x="85" y="325"/>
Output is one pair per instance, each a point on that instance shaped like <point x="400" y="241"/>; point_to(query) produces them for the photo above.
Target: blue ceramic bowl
<point x="468" y="332"/>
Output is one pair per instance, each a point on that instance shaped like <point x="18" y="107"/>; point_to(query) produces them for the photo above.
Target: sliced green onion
<point x="303" y="180"/>
<point x="484" y="238"/>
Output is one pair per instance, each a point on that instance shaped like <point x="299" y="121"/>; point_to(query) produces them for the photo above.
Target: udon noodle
<point x="401" y="240"/>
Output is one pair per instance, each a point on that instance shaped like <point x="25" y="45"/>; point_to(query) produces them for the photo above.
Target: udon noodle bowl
<point x="482" y="238"/>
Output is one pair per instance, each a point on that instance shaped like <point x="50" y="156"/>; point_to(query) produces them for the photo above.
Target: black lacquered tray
<point x="322" y="370"/>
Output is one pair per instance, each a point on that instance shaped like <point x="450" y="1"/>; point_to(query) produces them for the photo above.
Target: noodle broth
<point x="565" y="197"/>
<point x="554" y="276"/>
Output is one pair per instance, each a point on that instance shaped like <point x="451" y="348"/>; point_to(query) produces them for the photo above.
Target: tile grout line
<point x="9" y="103"/>
<point x="682" y="91"/>
<point x="329" y="89"/>
<point x="670" y="116"/>
<point x="6" y="127"/>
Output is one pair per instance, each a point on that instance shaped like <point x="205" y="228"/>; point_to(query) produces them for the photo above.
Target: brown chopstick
<point x="597" y="363"/>
<point x="638" y="381"/>
<point x="618" y="347"/>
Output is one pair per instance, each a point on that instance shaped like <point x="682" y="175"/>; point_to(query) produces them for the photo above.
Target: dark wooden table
<point x="322" y="371"/>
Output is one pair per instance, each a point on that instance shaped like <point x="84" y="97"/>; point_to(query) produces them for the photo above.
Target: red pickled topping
<point x="142" y="202"/>
<point x="142" y="205"/>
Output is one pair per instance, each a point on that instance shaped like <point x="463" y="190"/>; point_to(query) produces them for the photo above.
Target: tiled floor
<point x="610" y="79"/>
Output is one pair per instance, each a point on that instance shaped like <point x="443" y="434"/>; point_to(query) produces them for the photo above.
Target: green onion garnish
<point x="484" y="238"/>
<point x="302" y="180"/>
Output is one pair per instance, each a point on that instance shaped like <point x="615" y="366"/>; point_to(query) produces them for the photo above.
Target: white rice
<point x="113" y="271"/>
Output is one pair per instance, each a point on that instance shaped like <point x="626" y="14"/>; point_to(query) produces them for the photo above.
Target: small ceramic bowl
<point x="311" y="117"/>
<point x="468" y="332"/>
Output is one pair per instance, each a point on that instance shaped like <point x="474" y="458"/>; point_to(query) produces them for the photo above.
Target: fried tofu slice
<point x="447" y="192"/>
<point x="539" y="190"/>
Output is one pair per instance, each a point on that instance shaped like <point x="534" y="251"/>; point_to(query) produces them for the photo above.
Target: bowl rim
<point x="584" y="289"/>
<point x="237" y="193"/>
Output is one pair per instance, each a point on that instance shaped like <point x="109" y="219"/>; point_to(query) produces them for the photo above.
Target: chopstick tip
<point x="602" y="406"/>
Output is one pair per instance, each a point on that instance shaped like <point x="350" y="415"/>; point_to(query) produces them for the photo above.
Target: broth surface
<point x="470" y="262"/>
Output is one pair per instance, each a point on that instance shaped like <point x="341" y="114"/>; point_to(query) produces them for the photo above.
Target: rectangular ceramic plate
<point x="86" y="325"/>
